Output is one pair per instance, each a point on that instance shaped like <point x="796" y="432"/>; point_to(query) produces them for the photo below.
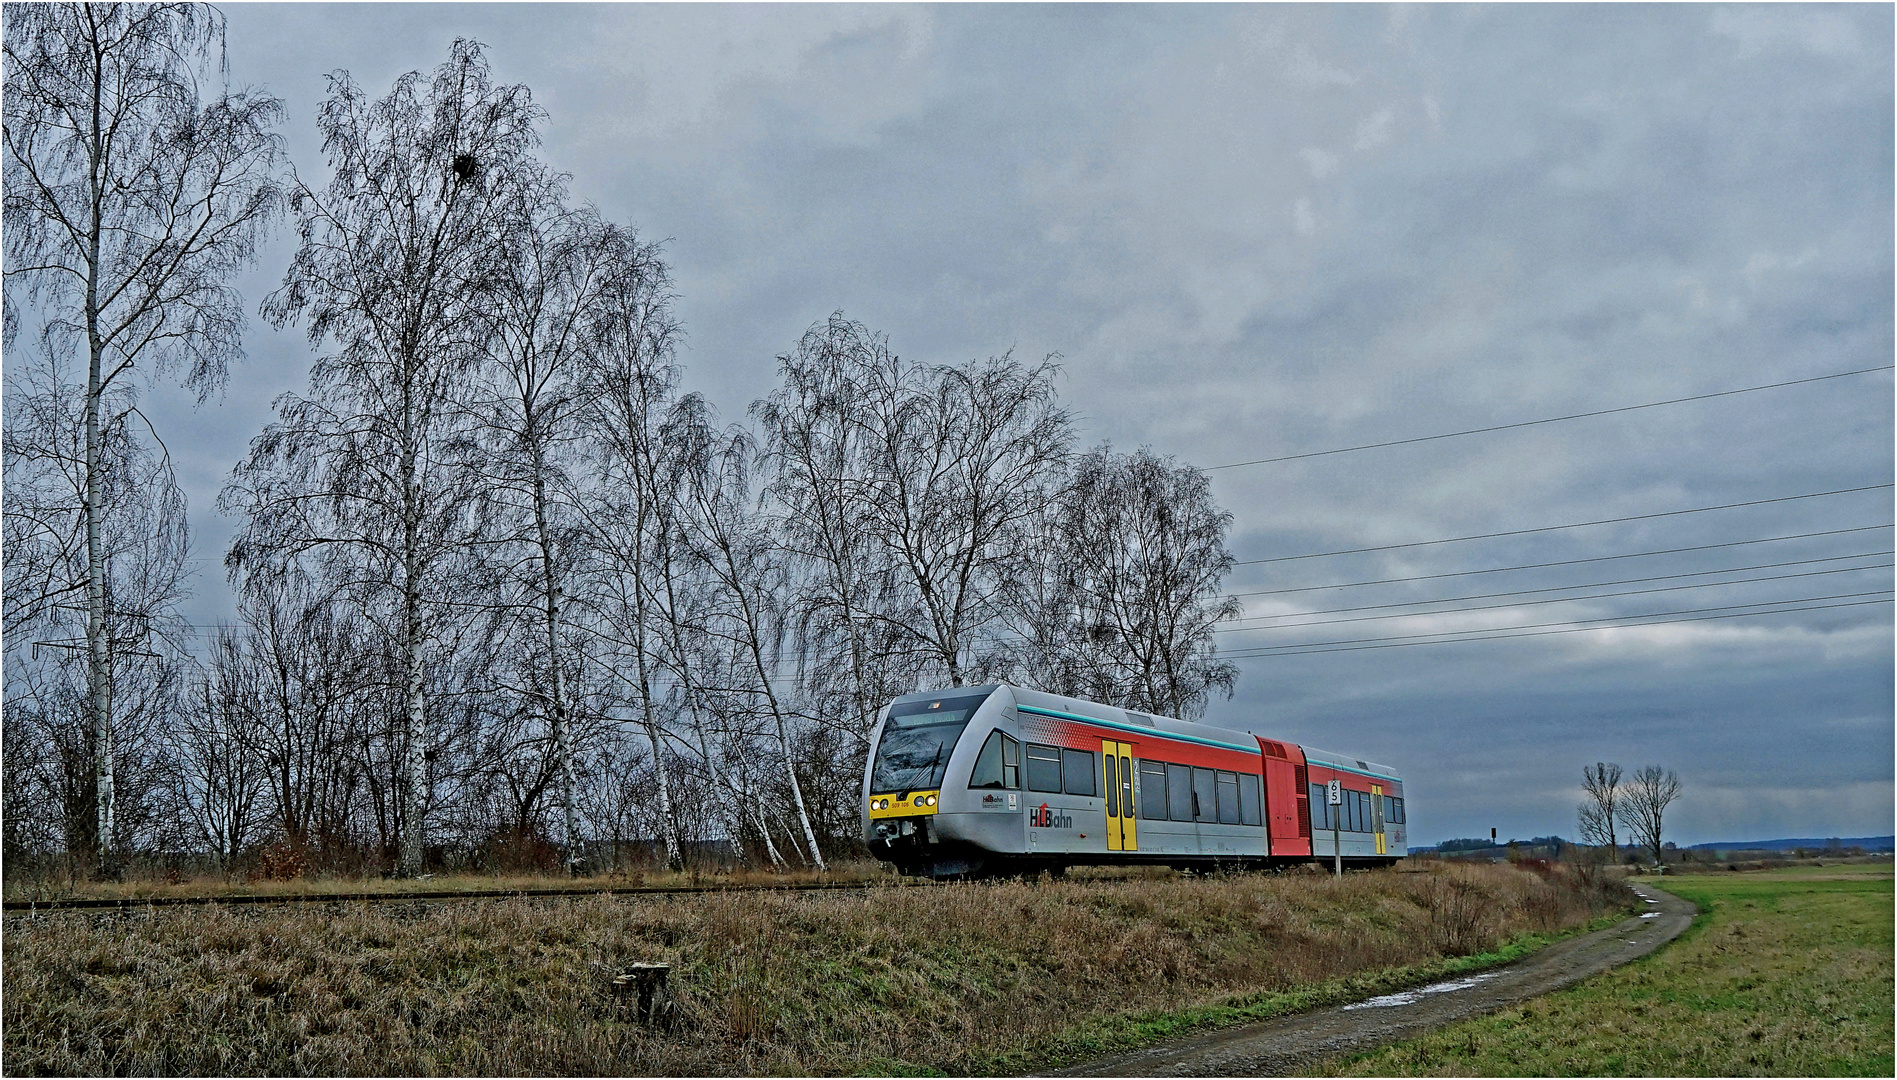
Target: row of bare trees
<point x="1637" y="805"/>
<point x="504" y="584"/>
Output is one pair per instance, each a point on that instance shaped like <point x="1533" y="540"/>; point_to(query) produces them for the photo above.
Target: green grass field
<point x="1785" y="973"/>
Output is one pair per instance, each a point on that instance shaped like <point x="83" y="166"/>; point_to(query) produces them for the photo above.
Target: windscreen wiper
<point x="931" y="771"/>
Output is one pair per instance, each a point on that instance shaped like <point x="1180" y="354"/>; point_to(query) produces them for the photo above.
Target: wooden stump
<point x="646" y="990"/>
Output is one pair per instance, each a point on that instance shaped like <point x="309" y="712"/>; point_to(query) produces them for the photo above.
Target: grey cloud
<point x="1254" y="231"/>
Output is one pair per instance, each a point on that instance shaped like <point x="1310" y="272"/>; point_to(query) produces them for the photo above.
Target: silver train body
<point x="1000" y="778"/>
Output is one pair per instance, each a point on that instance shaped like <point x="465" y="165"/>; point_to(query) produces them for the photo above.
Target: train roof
<point x="1234" y="738"/>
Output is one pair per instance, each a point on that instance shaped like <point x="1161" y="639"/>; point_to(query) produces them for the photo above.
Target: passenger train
<point x="997" y="779"/>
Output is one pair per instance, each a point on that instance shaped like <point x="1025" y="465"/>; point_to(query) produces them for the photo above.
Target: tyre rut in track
<point x="1291" y="1045"/>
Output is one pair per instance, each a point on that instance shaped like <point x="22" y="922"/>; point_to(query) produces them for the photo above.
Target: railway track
<point x="128" y="904"/>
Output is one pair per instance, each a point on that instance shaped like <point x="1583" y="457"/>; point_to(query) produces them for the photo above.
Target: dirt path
<point x="1290" y="1045"/>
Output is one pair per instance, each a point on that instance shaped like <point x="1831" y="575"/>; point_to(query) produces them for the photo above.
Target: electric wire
<point x="1595" y="585"/>
<point x="1556" y="528"/>
<point x="1546" y="420"/>
<point x="1539" y="603"/>
<point x="1266" y="650"/>
<point x="1558" y="562"/>
<point x="1395" y="644"/>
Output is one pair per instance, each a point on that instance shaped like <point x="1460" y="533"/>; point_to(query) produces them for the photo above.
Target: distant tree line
<point x="507" y="590"/>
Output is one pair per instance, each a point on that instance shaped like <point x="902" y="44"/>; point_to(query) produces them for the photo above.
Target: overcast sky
<point x="1256" y="232"/>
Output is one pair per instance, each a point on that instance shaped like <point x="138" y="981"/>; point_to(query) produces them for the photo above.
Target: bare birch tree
<point x="734" y="546"/>
<point x="1647" y="797"/>
<point x="144" y="544"/>
<point x="136" y="186"/>
<point x="956" y="455"/>
<point x="1602" y="807"/>
<point x="554" y="263"/>
<point x="371" y="473"/>
<point x="853" y="616"/>
<point x="631" y="380"/>
<point x="1137" y="552"/>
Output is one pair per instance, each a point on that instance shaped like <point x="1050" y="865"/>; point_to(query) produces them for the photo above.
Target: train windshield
<point x="917" y="740"/>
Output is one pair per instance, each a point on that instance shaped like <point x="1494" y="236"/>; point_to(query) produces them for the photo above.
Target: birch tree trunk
<point x="131" y="196"/>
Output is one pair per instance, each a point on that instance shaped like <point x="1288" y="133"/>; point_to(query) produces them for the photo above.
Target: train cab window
<point x="1250" y="810"/>
<point x="1205" y="799"/>
<point x="1043" y="768"/>
<point x="1228" y="798"/>
<point x="1153" y="790"/>
<point x="1179" y="792"/>
<point x="1078" y="771"/>
<point x="917" y="738"/>
<point x="1396" y="810"/>
<point x="999" y="763"/>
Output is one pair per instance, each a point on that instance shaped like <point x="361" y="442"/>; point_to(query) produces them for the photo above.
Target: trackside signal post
<point x="1334" y="796"/>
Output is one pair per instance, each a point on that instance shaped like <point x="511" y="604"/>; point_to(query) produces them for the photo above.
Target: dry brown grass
<point x="159" y="886"/>
<point x="960" y="978"/>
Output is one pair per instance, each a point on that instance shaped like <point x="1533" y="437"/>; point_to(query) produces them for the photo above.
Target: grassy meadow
<point x="960" y="978"/>
<point x="1785" y="973"/>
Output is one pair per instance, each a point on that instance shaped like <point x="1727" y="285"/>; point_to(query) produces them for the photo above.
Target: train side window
<point x="1043" y="768"/>
<point x="1179" y="792"/>
<point x="1228" y="798"/>
<point x="1077" y="765"/>
<point x="1389" y="809"/>
<point x="1205" y="799"/>
<point x="1368" y="819"/>
<point x="1153" y="790"/>
<point x="1349" y="809"/>
<point x="995" y="766"/>
<point x="1320" y="809"/>
<point x="1396" y="806"/>
<point x="1250" y="809"/>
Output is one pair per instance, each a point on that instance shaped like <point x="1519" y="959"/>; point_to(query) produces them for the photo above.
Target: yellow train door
<point x="1376" y="819"/>
<point x="1117" y="764"/>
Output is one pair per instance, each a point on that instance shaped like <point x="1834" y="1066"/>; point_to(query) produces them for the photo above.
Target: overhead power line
<point x="1581" y="585"/>
<point x="1596" y="585"/>
<point x="1624" y="620"/>
<point x="1558" y="562"/>
<point x="1556" y="528"/>
<point x="1573" y="630"/>
<point x="1547" y="420"/>
<point x="1531" y="603"/>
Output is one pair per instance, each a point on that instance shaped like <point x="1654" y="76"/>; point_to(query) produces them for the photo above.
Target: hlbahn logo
<point x="1042" y="818"/>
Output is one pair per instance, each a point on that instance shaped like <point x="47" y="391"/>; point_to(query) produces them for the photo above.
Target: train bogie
<point x="1000" y="778"/>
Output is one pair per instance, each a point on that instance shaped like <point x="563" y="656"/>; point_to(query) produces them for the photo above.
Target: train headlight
<point x="930" y="801"/>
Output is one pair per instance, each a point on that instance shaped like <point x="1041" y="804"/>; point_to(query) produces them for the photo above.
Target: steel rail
<point x="22" y="907"/>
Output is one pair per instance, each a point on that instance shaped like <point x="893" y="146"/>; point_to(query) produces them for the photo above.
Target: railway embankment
<point x="960" y="978"/>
